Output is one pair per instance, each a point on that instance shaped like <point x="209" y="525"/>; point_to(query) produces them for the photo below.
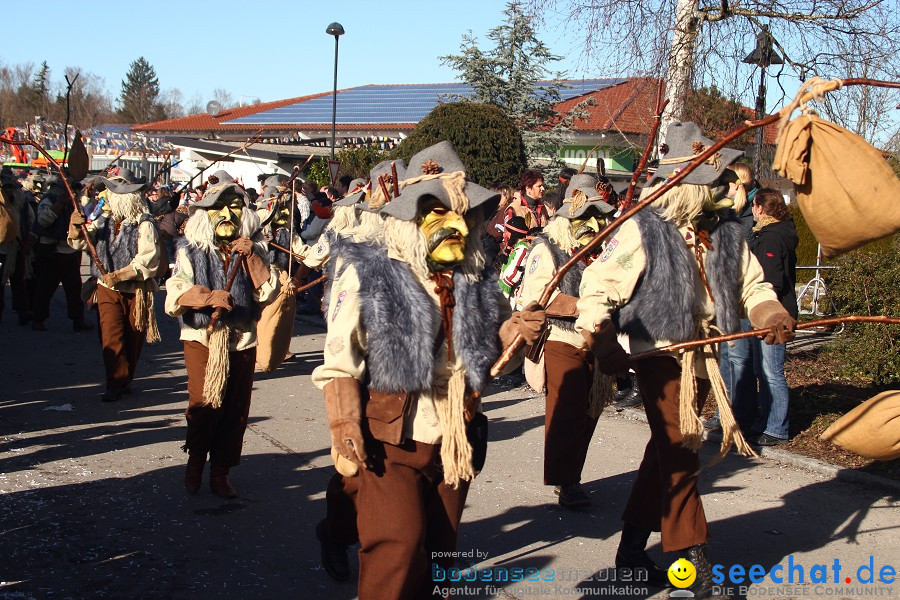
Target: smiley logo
<point x="682" y="573"/>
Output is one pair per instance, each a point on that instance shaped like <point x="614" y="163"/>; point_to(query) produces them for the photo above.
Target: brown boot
<point x="218" y="482"/>
<point x="193" y="475"/>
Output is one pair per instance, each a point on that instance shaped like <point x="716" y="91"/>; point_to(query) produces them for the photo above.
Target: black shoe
<point x="111" y="394"/>
<point x="703" y="583"/>
<point x="126" y="390"/>
<point x="633" y="562"/>
<point x="770" y="440"/>
<point x="334" y="556"/>
<point x="628" y="399"/>
<point x="571" y="495"/>
<point x="82" y="326"/>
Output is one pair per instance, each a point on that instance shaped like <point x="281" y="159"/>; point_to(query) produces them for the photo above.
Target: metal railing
<point x="817" y="292"/>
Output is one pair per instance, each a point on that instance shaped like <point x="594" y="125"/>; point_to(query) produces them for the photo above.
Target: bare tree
<point x="196" y="105"/>
<point x="224" y="97"/>
<point x="172" y="102"/>
<point x="694" y="43"/>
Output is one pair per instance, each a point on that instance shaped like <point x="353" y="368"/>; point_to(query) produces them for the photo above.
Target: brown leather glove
<point x="75" y="222"/>
<point x="343" y="405"/>
<point x="563" y="305"/>
<point x="202" y="297"/>
<point x="771" y="315"/>
<point x="529" y="323"/>
<point x="611" y="356"/>
<point x="123" y="274"/>
<point x="243" y="245"/>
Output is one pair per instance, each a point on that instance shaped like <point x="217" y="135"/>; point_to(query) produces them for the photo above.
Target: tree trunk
<point x="681" y="61"/>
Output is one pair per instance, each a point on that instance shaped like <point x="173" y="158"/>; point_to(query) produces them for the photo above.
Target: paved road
<point x="92" y="503"/>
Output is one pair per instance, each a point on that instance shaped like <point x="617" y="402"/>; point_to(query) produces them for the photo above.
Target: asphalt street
<point x="92" y="503"/>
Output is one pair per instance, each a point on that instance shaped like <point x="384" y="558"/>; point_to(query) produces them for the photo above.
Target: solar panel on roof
<point x="391" y="103"/>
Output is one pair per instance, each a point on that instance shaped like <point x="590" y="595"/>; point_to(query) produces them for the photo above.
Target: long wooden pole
<point x="253" y="139"/>
<point x="294" y="255"/>
<point x="674" y="180"/>
<point x="84" y="232"/>
<point x="657" y="120"/>
<point x="760" y="333"/>
<point x="303" y="288"/>
<point x="120" y="155"/>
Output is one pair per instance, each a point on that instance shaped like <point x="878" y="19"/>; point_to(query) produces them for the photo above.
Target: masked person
<point x="672" y="273"/>
<point x="128" y="244"/>
<point x="220" y="364"/>
<point x="413" y="329"/>
<point x="356" y="221"/>
<point x="56" y="261"/>
<point x="572" y="409"/>
<point x="16" y="245"/>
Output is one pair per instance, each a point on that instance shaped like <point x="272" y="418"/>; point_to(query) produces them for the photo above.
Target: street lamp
<point x="337" y="31"/>
<point x="762" y="56"/>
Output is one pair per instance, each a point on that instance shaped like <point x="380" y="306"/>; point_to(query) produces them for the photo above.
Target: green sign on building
<point x="616" y="158"/>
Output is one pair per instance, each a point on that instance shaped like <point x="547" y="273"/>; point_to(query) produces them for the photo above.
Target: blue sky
<point x="270" y="49"/>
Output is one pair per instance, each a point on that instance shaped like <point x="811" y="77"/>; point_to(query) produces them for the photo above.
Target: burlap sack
<point x="535" y="374"/>
<point x="872" y="429"/>
<point x="847" y="192"/>
<point x="275" y="328"/>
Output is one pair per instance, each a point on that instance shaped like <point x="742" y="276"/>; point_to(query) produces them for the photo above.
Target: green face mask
<point x="225" y="217"/>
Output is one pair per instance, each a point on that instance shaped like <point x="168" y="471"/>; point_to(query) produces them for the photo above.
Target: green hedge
<point x="868" y="283"/>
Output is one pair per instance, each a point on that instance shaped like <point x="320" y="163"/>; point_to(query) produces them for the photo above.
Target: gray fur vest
<point x="209" y="271"/>
<point x="116" y="251"/>
<point x="277" y="257"/>
<point x="571" y="281"/>
<point x="399" y="316"/>
<point x="662" y="305"/>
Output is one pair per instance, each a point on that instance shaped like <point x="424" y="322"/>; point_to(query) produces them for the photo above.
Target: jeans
<point x="773" y="390"/>
<point x="738" y="367"/>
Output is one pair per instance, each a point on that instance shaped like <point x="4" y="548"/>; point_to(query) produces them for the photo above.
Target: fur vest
<point x="662" y="305"/>
<point x="116" y="251"/>
<point x="277" y="257"/>
<point x="209" y="271"/>
<point x="571" y="281"/>
<point x="399" y="316"/>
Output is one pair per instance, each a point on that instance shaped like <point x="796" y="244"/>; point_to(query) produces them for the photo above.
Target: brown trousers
<point x="567" y="426"/>
<point x="340" y="507"/>
<point x="52" y="269"/>
<point x="220" y="431"/>
<point x="406" y="513"/>
<point x="665" y="497"/>
<point x="120" y="340"/>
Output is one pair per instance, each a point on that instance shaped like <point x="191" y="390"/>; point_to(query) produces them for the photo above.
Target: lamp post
<point x="337" y="31"/>
<point x="762" y="56"/>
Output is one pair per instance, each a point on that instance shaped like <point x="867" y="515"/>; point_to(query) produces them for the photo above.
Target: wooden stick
<point x="120" y="155"/>
<point x="217" y="314"/>
<point x="584" y="164"/>
<point x="253" y="139"/>
<point x="294" y="255"/>
<point x="303" y="288"/>
<point x="395" y="182"/>
<point x="660" y="107"/>
<point x="674" y="180"/>
<point x="162" y="168"/>
<point x="760" y="333"/>
<point x="84" y="232"/>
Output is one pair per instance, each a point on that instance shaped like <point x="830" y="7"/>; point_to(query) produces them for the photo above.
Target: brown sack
<point x="848" y="194"/>
<point x="276" y="328"/>
<point x="872" y="429"/>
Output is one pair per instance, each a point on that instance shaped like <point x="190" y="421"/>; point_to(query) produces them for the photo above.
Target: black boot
<point x="703" y="584"/>
<point x="632" y="555"/>
<point x="334" y="555"/>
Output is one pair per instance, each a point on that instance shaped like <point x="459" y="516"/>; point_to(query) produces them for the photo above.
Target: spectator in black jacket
<point x="774" y="243"/>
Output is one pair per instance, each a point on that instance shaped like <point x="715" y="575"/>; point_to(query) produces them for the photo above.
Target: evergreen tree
<point x="140" y="93"/>
<point x="515" y="76"/>
<point x="39" y="93"/>
<point x="487" y="141"/>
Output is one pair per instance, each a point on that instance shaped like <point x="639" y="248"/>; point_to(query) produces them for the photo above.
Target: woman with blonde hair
<point x="736" y="361"/>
